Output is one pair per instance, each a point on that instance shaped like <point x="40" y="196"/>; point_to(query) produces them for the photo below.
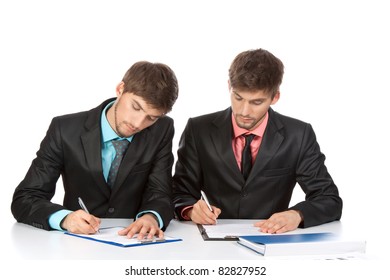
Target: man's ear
<point x="119" y="89"/>
<point x="275" y="98"/>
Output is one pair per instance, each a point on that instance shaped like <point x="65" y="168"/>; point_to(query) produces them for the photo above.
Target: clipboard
<point x="110" y="236"/>
<point x="206" y="237"/>
<point x="228" y="230"/>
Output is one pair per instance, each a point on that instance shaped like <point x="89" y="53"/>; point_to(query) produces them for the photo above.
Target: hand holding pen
<point x="203" y="212"/>
<point x="81" y="221"/>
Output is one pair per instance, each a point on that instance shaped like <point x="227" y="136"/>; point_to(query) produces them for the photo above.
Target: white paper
<point x="222" y="230"/>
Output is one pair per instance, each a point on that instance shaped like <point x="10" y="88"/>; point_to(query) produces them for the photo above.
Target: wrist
<point x="186" y="213"/>
<point x="63" y="225"/>
<point x="149" y="216"/>
<point x="299" y="218"/>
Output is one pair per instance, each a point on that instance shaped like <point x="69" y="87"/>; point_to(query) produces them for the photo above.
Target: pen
<point x="82" y="205"/>
<point x="204" y="197"/>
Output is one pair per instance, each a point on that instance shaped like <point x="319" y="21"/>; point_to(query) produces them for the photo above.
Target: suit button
<point x="111" y="210"/>
<point x="244" y="194"/>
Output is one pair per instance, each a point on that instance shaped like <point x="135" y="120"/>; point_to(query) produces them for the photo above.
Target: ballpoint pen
<point x="204" y="197"/>
<point x="82" y="205"/>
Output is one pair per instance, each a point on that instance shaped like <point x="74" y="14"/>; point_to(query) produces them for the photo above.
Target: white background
<point x="59" y="57"/>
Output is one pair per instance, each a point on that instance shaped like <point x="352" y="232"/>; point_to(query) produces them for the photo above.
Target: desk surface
<point x="32" y="243"/>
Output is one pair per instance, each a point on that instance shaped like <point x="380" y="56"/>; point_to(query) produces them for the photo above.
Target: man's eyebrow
<point x="139" y="105"/>
<point x="262" y="99"/>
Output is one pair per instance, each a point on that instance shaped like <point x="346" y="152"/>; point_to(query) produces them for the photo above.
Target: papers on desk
<point x="322" y="243"/>
<point x="110" y="236"/>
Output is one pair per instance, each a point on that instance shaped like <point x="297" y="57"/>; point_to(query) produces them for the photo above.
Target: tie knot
<point x="248" y="138"/>
<point x="120" y="146"/>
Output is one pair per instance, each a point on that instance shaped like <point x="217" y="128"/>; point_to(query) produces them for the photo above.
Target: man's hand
<point x="145" y="226"/>
<point x="280" y="222"/>
<point x="201" y="214"/>
<point x="81" y="222"/>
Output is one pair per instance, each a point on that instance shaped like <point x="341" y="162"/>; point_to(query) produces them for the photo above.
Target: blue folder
<point x="289" y="238"/>
<point x="285" y="243"/>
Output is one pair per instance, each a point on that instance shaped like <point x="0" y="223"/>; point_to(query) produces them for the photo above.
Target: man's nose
<point x="245" y="109"/>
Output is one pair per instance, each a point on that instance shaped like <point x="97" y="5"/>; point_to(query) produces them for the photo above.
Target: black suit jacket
<point x="72" y="149"/>
<point x="289" y="154"/>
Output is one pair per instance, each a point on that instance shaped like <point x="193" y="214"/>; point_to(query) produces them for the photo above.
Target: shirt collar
<point x="258" y="131"/>
<point x="108" y="133"/>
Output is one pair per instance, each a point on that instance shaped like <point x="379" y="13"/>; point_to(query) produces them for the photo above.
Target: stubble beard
<point x="249" y="126"/>
<point x="117" y="127"/>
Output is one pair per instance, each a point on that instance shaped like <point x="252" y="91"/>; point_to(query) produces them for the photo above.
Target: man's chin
<point x="125" y="133"/>
<point x="247" y="126"/>
<point x="122" y="135"/>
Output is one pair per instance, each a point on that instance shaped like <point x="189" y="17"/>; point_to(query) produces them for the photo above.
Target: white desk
<point x="32" y="243"/>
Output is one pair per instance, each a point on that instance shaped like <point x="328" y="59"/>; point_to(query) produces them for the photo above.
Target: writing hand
<point x="81" y="222"/>
<point x="201" y="214"/>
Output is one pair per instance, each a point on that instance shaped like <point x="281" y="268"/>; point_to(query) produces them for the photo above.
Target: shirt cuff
<point x="185" y="217"/>
<point x="160" y="221"/>
<point x="56" y="218"/>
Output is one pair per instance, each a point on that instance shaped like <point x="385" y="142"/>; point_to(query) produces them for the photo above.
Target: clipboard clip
<point x="151" y="240"/>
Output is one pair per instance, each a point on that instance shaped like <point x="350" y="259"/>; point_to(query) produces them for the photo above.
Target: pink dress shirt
<point x="238" y="142"/>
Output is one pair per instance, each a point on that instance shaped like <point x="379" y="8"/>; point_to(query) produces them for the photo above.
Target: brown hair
<point x="256" y="70"/>
<point x="156" y="83"/>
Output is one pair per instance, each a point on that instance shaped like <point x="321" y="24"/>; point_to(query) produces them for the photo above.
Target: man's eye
<point x="258" y="102"/>
<point x="136" y="108"/>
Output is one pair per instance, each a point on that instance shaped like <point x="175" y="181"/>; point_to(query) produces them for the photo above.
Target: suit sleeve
<point x="31" y="200"/>
<point x="158" y="193"/>
<point x="323" y="203"/>
<point x="187" y="179"/>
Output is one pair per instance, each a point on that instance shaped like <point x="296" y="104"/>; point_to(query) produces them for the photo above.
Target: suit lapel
<point x="133" y="154"/>
<point x="269" y="145"/>
<point x="222" y="140"/>
<point x="91" y="141"/>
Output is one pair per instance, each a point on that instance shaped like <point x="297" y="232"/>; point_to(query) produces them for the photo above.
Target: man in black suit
<point x="83" y="148"/>
<point x="257" y="181"/>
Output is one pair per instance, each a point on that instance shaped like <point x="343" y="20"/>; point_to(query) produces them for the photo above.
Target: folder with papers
<point x="301" y="244"/>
